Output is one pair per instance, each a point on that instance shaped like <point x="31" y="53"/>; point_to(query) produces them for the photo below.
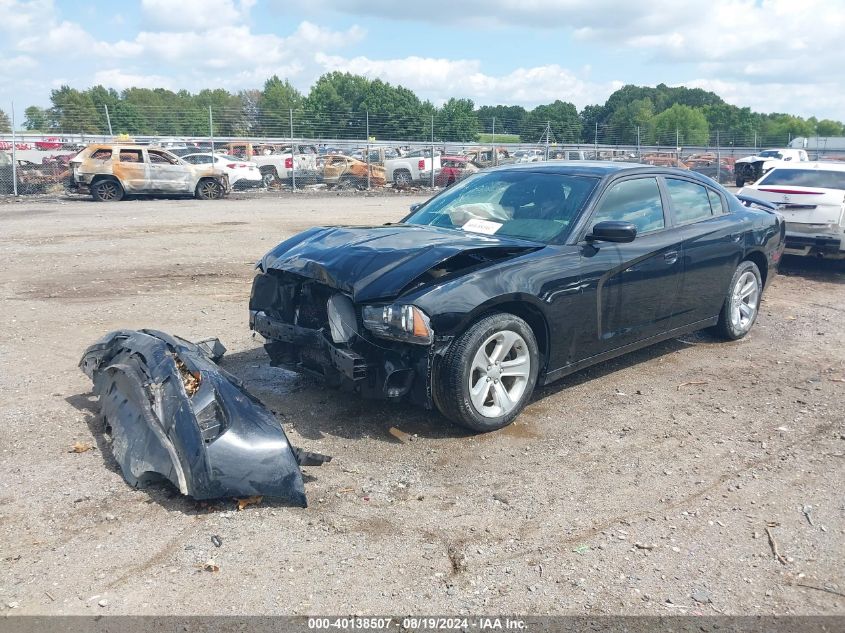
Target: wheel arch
<point x="101" y="177"/>
<point x="523" y="306"/>
<point x="762" y="262"/>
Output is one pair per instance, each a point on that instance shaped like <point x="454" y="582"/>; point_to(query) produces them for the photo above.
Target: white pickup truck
<point x="414" y="167"/>
<point x="752" y="168"/>
<point x="276" y="162"/>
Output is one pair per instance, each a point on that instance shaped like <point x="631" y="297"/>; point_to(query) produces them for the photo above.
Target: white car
<point x="811" y="197"/>
<point x="751" y="168"/>
<point x="528" y="155"/>
<point x="243" y="174"/>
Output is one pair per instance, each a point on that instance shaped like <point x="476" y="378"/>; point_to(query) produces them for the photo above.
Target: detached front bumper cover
<point x="174" y="414"/>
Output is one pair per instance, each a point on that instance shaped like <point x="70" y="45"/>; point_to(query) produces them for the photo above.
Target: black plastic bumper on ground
<point x="175" y="414"/>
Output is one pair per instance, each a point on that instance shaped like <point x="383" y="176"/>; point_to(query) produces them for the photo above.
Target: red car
<point x="453" y="169"/>
<point x="49" y="143"/>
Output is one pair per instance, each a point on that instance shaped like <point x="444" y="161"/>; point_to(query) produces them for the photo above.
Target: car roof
<point x="594" y="168"/>
<point x="819" y="164"/>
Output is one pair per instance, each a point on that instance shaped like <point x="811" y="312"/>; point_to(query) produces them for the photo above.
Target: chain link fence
<point x="37" y="161"/>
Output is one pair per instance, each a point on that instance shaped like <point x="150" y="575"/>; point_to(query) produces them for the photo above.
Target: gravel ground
<point x="642" y="486"/>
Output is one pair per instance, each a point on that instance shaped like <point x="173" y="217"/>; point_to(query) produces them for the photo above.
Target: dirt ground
<point x="646" y="485"/>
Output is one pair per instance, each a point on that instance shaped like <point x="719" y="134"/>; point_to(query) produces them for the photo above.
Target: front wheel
<point x="742" y="305"/>
<point x="488" y="374"/>
<point x="208" y="190"/>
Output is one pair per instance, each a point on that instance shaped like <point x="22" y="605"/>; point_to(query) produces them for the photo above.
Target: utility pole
<point x="108" y="119"/>
<point x="493" y="141"/>
<point x="677" y="139"/>
<point x="368" y="149"/>
<point x="211" y="132"/>
<point x="548" y="134"/>
<point x="14" y="155"/>
<point x="292" y="154"/>
<point x="755" y="140"/>
<point x="638" y="142"/>
<point x="432" y="152"/>
<point x="718" y="159"/>
<point x="596" y="142"/>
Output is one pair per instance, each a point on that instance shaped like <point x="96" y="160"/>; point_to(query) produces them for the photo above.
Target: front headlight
<point x="399" y="322"/>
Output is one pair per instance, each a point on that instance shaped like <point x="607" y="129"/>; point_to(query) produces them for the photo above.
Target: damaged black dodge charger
<point x="514" y="277"/>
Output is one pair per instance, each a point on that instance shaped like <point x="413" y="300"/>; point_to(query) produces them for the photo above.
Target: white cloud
<point x="66" y="38"/>
<point x="440" y="78"/>
<point x="825" y="99"/>
<point x="119" y="80"/>
<point x="192" y="15"/>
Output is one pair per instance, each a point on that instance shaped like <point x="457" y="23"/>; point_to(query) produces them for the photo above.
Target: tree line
<point x="346" y="106"/>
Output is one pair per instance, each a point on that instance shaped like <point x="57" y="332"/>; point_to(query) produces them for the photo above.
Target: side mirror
<point x="613" y="231"/>
<point x="416" y="206"/>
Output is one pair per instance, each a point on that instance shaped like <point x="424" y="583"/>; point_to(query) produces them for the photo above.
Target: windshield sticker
<point x="481" y="226"/>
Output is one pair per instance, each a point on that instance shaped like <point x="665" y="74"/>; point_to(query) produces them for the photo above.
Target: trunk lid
<point x="805" y="205"/>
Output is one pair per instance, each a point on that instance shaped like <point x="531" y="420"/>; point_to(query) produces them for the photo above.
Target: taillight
<point x="421" y="164"/>
<point x="231" y="165"/>
<point x="289" y="163"/>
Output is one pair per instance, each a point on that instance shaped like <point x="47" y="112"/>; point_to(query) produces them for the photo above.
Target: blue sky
<point x="771" y="55"/>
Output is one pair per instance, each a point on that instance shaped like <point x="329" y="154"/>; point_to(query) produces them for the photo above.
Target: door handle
<point x="671" y="257"/>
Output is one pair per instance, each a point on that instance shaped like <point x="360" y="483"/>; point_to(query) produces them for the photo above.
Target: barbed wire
<point x="326" y="124"/>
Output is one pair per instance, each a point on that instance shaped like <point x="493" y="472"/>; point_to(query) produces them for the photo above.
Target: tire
<point x="107" y="190"/>
<point x="740" y="181"/>
<point x="208" y="189"/>
<point x="735" y="321"/>
<point x="269" y="176"/>
<point x="402" y="178"/>
<point x="499" y="337"/>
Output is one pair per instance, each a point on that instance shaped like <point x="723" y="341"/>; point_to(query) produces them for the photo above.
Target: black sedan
<point x="516" y="276"/>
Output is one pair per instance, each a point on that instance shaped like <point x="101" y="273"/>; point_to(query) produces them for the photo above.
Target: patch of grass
<point x="485" y="137"/>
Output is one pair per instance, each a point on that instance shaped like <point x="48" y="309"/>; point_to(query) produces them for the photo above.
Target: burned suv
<point x="514" y="277"/>
<point x="109" y="171"/>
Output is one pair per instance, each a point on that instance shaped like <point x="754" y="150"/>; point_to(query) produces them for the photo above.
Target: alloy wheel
<point x="499" y="374"/>
<point x="745" y="300"/>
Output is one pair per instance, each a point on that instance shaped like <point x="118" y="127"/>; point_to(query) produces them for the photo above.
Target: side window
<point x="161" y="158"/>
<point x="636" y="201"/>
<point x="690" y="201"/>
<point x="716" y="202"/>
<point x="131" y="156"/>
<point x="102" y="154"/>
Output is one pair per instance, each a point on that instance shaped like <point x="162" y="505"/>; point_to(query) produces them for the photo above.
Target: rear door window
<point x="161" y="158"/>
<point x="716" y="202"/>
<point x="131" y="156"/>
<point x="636" y="201"/>
<point x="690" y="202"/>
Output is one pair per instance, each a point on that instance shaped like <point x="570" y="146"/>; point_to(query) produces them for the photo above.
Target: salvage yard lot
<point x="641" y="486"/>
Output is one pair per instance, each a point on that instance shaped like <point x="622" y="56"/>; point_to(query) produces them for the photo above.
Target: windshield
<point x="822" y="178"/>
<point x="771" y="153"/>
<point x="531" y="205"/>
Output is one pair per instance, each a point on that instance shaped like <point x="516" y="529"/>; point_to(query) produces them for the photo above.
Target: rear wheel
<point x="742" y="305"/>
<point x="107" y="190"/>
<point x="488" y="374"/>
<point x="402" y="178"/>
<point x="269" y="176"/>
<point x="208" y="189"/>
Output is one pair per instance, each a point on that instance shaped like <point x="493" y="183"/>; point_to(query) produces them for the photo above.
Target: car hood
<point x="757" y="159"/>
<point x="372" y="263"/>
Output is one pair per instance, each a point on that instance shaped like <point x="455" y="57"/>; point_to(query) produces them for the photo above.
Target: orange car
<point x="345" y="169"/>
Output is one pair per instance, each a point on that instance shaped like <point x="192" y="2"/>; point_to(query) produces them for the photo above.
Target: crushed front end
<point x="382" y="350"/>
